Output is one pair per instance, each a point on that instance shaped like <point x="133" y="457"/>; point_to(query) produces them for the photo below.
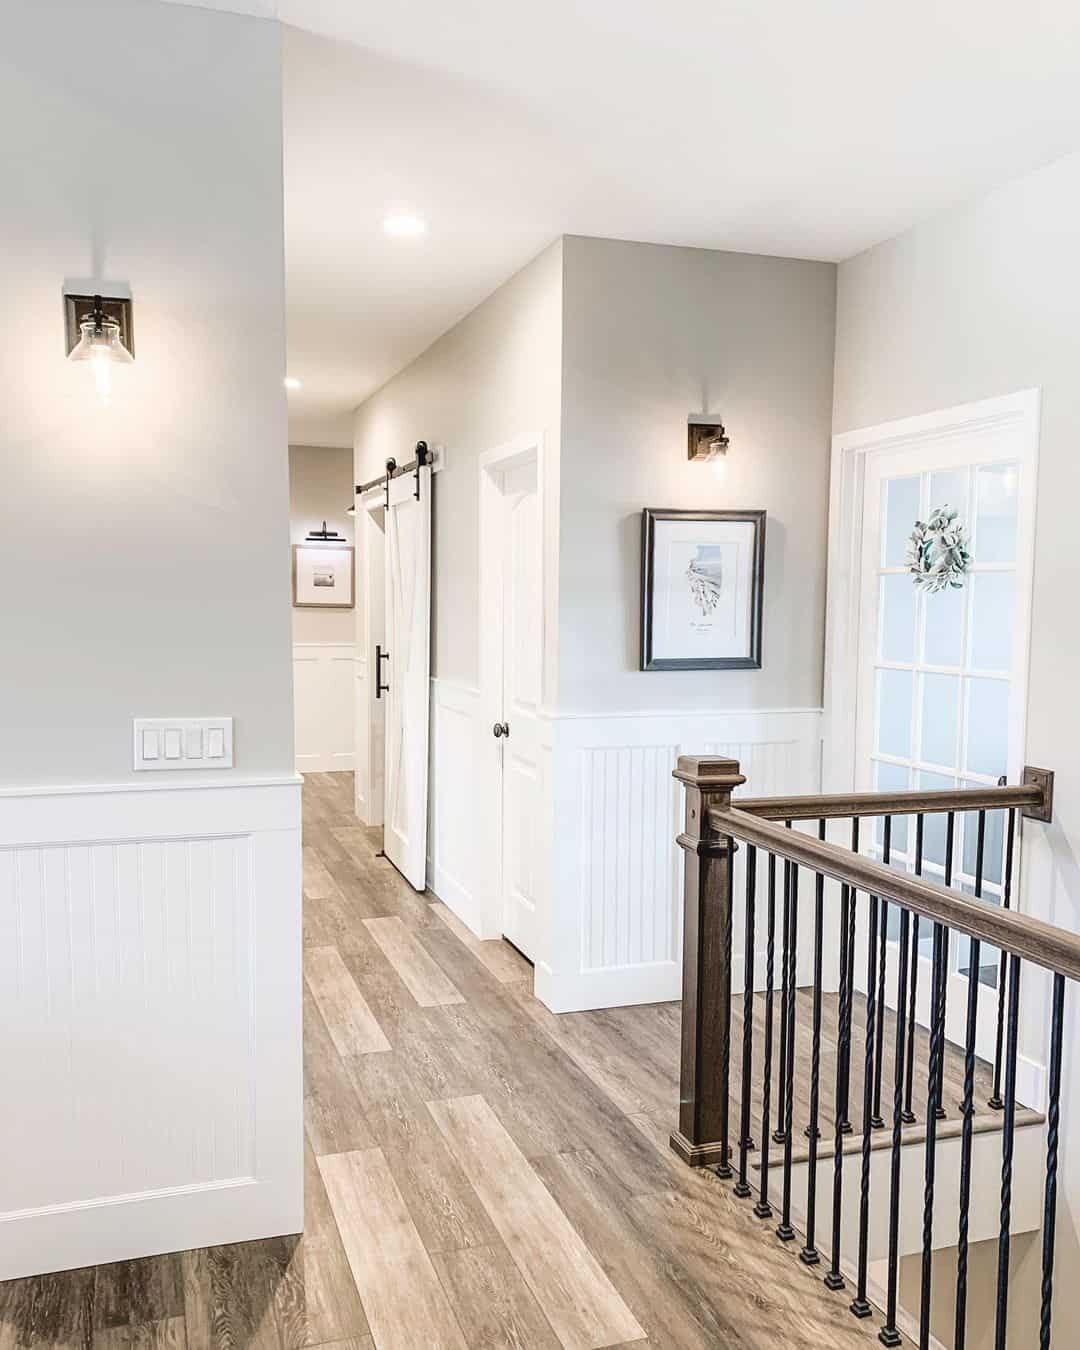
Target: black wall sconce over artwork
<point x="705" y="440"/>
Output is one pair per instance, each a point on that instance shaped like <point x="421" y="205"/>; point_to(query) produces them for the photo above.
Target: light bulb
<point x="100" y="345"/>
<point x="102" y="368"/>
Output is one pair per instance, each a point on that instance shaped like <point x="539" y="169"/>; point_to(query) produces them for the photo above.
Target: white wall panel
<point x="149" y="1022"/>
<point x="324" y="695"/>
<point x="616" y="895"/>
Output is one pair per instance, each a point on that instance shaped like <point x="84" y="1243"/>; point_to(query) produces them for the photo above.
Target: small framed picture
<point x="322" y="576"/>
<point x="702" y="579"/>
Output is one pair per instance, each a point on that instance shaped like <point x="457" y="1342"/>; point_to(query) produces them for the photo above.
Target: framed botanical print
<point x="322" y="576"/>
<point x="702" y="579"/>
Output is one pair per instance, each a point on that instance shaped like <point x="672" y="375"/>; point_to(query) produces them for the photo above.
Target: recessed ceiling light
<point x="291" y="382"/>
<point x="404" y="225"/>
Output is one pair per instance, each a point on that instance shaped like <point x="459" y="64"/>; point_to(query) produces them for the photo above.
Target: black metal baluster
<point x="784" y="1230"/>
<point x="1053" y="1125"/>
<point x="834" y="1279"/>
<point x="723" y="1168"/>
<point x="845" y="1121"/>
<point x="1008" y="1136"/>
<point x="877" y="1120"/>
<point x="995" y="1101"/>
<point x="742" y="1186"/>
<point x="763" y="1209"/>
<point x="937" y="1049"/>
<point x="909" y="1113"/>
<point x="785" y="997"/>
<point x="950" y="844"/>
<point x="861" y="1304"/>
<point x="809" y="1254"/>
<point x="967" y="1110"/>
<point x="889" y="1335"/>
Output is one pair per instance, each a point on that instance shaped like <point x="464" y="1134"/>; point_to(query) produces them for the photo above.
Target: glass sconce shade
<point x="100" y="341"/>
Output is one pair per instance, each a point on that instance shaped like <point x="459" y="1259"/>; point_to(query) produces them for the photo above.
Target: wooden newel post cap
<point x="708" y="774"/>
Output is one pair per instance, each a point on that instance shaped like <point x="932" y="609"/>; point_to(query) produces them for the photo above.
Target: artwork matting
<point x="322" y="576"/>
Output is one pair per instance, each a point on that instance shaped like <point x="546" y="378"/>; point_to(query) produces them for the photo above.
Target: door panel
<point x="935" y="705"/>
<point x="408" y="618"/>
<point x="521" y="676"/>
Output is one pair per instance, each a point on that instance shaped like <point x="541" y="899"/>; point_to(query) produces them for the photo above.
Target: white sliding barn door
<point x="408" y="617"/>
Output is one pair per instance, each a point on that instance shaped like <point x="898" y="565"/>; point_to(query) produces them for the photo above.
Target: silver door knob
<point x="500" y="729"/>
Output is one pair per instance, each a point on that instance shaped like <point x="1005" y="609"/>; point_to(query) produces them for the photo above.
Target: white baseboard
<point x="323" y="696"/>
<point x="149" y="1021"/>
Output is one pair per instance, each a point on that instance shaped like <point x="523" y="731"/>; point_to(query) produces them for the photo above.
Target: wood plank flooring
<point x="479" y="1173"/>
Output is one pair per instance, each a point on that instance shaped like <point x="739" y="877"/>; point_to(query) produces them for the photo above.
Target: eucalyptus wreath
<point x="938" y="553"/>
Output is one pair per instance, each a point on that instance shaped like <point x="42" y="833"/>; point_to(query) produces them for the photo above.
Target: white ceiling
<point x="773" y="126"/>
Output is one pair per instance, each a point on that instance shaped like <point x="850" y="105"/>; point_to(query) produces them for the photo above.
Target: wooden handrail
<point x="1032" y="797"/>
<point x="1046" y="945"/>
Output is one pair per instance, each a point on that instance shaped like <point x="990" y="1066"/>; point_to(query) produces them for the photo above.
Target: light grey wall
<point x="982" y="301"/>
<point x="493" y="377"/>
<point x="144" y="547"/>
<point x="652" y="334"/>
<point x="320" y="488"/>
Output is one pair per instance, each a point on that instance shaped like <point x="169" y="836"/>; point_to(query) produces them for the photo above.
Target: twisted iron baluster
<point x="995" y="1101"/>
<point x="785" y="1232"/>
<point x="877" y="1120"/>
<point x="968" y="1113"/>
<point x="845" y="1122"/>
<point x="834" y="1279"/>
<point x="889" y="1335"/>
<point x="937" y="1049"/>
<point x="950" y="848"/>
<point x="742" y="1186"/>
<point x="763" y="1209"/>
<point x="861" y="1304"/>
<point x="723" y="1168"/>
<point x="1053" y="1122"/>
<point x="909" y="1114"/>
<point x="1007" y="1141"/>
<point x="809" y="1254"/>
<point x="785" y="996"/>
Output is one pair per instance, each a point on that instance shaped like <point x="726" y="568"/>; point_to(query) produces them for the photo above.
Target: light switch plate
<point x="183" y="743"/>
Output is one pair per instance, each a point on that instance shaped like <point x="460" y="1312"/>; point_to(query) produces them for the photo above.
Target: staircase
<point x="839" y="1066"/>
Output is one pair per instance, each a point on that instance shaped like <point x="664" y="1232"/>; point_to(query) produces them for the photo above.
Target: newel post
<point x="702" y="1137"/>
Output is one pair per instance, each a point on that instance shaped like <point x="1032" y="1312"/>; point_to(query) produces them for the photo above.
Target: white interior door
<point x="941" y="681"/>
<point x="518" y="713"/>
<point x="407" y="670"/>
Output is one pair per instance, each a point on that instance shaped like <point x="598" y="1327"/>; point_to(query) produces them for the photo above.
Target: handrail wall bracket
<point x="1044" y="779"/>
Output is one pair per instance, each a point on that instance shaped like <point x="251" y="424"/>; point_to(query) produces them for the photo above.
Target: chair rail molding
<point x="149" y="1008"/>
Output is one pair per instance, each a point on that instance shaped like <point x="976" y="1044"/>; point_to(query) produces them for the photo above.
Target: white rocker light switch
<point x="163" y="743"/>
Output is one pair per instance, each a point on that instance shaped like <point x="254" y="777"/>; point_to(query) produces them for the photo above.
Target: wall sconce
<point x="705" y="441"/>
<point x="99" y="331"/>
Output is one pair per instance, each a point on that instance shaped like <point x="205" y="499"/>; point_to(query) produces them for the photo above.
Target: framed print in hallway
<point x="322" y="576"/>
<point x="702" y="580"/>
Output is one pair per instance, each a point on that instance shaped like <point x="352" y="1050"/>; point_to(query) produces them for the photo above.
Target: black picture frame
<point x="650" y="517"/>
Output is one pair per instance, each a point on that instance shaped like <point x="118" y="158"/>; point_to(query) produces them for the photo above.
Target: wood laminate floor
<point x="480" y="1173"/>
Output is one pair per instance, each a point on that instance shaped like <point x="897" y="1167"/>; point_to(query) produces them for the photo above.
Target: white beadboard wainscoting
<point x="616" y="870"/>
<point x="613" y="874"/>
<point x="324" y="699"/>
<point x="150" y="1021"/>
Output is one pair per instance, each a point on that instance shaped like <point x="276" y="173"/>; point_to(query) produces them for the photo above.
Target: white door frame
<point x="851" y="452"/>
<point x="492" y="465"/>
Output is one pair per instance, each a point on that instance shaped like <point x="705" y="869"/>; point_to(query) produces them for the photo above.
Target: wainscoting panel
<point x="324" y="698"/>
<point x="616" y="898"/>
<point x="149" y="1021"/>
<point x="460" y="835"/>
